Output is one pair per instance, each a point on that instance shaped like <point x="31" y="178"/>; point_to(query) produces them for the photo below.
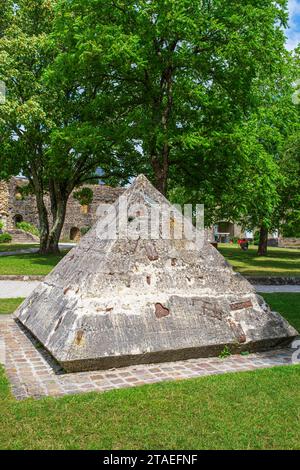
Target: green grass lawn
<point x="288" y="305"/>
<point x="9" y="305"/>
<point x="15" y="247"/>
<point x="30" y="264"/>
<point x="278" y="262"/>
<point x="250" y="410"/>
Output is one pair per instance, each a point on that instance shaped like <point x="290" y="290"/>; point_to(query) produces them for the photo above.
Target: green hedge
<point x="29" y="228"/>
<point x="5" y="238"/>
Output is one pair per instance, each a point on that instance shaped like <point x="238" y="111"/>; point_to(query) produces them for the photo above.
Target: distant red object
<point x="244" y="244"/>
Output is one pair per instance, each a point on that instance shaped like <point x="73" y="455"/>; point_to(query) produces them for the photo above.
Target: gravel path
<point x="279" y="289"/>
<point x="14" y="289"/>
<point x="62" y="246"/>
<point x="26" y="251"/>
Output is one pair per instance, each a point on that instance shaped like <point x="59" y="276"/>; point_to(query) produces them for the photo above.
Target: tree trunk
<point x="263" y="241"/>
<point x="49" y="238"/>
<point x="58" y="223"/>
<point x="160" y="157"/>
<point x="42" y="213"/>
<point x="161" y="170"/>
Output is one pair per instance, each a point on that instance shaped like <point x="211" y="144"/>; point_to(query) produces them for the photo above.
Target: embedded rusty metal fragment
<point x="66" y="290"/>
<point x="161" y="311"/>
<point x="79" y="338"/>
<point x="241" y="305"/>
<point x="148" y="279"/>
<point x="151" y="252"/>
<point x="173" y="262"/>
<point x="237" y="331"/>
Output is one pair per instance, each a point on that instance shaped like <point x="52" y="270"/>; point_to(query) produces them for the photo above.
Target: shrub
<point x="19" y="197"/>
<point x="1" y="225"/>
<point x="84" y="196"/>
<point x="292" y="226"/>
<point x="5" y="238"/>
<point x="84" y="230"/>
<point x="29" y="228"/>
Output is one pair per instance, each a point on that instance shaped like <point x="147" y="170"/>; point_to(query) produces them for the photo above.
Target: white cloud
<point x="293" y="33"/>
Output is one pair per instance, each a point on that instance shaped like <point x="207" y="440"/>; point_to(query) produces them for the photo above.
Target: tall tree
<point x="45" y="122"/>
<point x="255" y="165"/>
<point x="182" y="70"/>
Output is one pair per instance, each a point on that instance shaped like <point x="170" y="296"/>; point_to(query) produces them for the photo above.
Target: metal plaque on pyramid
<point x="126" y="299"/>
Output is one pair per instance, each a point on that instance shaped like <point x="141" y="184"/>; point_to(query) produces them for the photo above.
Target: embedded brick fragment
<point x="161" y="311"/>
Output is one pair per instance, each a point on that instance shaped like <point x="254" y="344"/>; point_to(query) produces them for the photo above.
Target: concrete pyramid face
<point x="128" y="299"/>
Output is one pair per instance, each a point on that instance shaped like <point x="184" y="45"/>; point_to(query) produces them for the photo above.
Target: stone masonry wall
<point x="4" y="202"/>
<point x="15" y="209"/>
<point x="289" y="242"/>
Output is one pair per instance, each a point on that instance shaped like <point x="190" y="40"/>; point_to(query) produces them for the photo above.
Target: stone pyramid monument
<point x="113" y="302"/>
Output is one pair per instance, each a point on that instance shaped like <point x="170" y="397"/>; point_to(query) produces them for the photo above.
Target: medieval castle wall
<point x="14" y="208"/>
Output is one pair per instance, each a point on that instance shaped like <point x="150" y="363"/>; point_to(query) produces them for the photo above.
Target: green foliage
<point x="85" y="230"/>
<point x="194" y="94"/>
<point x="27" y="227"/>
<point x="26" y="190"/>
<point x="225" y="353"/>
<point x="50" y="130"/>
<point x="256" y="237"/>
<point x="1" y="225"/>
<point x="84" y="196"/>
<point x="290" y="164"/>
<point x="5" y="238"/>
<point x="181" y="75"/>
<point x="291" y="227"/>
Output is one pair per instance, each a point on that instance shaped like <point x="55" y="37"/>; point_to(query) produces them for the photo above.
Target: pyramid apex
<point x="142" y="179"/>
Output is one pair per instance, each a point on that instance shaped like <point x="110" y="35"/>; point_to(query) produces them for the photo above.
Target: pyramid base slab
<point x="116" y="362"/>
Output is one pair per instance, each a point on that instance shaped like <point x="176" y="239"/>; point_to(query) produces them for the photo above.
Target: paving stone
<point x="32" y="373"/>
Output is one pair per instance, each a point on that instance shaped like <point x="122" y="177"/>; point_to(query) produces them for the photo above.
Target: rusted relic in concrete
<point x="127" y="299"/>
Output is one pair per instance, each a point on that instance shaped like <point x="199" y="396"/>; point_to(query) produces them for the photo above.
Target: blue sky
<point x="293" y="33"/>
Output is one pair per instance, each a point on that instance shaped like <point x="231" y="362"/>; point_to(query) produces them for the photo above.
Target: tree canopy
<point x="196" y="94"/>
